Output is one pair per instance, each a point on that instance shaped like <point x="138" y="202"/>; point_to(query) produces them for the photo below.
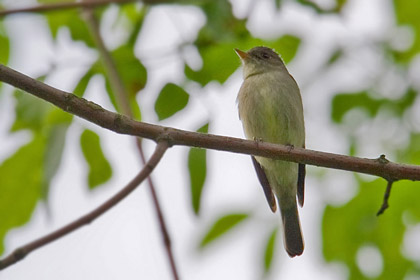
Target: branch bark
<point x="23" y="251"/>
<point x="124" y="125"/>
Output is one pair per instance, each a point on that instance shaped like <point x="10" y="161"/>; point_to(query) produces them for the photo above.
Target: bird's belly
<point x="270" y="121"/>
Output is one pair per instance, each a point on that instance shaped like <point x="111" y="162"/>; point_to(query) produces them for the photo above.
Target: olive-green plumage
<point x="270" y="108"/>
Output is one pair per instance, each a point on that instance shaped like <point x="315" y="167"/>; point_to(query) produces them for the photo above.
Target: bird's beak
<point x="242" y="54"/>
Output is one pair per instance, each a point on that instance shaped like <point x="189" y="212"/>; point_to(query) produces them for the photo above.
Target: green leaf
<point x="99" y="168"/>
<point x="171" y="99"/>
<point x="343" y="103"/>
<point x="411" y="154"/>
<point x="20" y="185"/>
<point x="349" y="227"/>
<point x="407" y="13"/>
<point x="81" y="86"/>
<point x="222" y="226"/>
<point x="269" y="250"/>
<point x="72" y="20"/>
<point x="4" y="45"/>
<point x="52" y="156"/>
<point x="197" y="165"/>
<point x="44" y="119"/>
<point x="336" y="55"/>
<point x="220" y="60"/>
<point x="136" y="16"/>
<point x="31" y="112"/>
<point x="133" y="75"/>
<point x="286" y="46"/>
<point x="132" y="71"/>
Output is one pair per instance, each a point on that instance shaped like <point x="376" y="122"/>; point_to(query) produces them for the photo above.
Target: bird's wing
<point x="265" y="185"/>
<point x="301" y="184"/>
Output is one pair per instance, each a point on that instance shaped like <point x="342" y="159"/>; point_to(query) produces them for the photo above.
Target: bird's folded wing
<point x="269" y="195"/>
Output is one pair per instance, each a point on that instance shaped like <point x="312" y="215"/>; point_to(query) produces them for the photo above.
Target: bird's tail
<point x="293" y="239"/>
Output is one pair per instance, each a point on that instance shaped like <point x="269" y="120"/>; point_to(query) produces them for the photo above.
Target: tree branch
<point x="385" y="204"/>
<point x="63" y="6"/>
<point x="23" y="251"/>
<point x="74" y="5"/>
<point x="124" y="125"/>
<point x="123" y="102"/>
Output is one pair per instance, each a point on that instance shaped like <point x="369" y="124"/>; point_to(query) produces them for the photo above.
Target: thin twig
<point x="122" y="100"/>
<point x="385" y="204"/>
<point x="124" y="125"/>
<point x="63" y="6"/>
<point x="74" y="5"/>
<point x="23" y="251"/>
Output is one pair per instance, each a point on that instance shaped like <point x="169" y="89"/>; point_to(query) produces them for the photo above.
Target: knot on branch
<point x="122" y="124"/>
<point x="382" y="159"/>
<point x="68" y="98"/>
<point x="165" y="136"/>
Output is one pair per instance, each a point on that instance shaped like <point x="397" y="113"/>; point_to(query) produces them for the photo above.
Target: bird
<point x="271" y="110"/>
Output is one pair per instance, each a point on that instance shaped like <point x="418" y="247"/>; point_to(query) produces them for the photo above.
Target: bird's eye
<point x="265" y="55"/>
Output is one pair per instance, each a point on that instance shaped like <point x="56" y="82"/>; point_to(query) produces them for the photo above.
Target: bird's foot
<point x="290" y="147"/>
<point x="258" y="140"/>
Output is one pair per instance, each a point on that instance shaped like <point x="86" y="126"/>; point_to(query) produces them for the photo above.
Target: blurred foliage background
<point x="363" y="84"/>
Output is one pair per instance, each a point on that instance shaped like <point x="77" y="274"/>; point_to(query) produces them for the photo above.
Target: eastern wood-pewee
<point x="270" y="108"/>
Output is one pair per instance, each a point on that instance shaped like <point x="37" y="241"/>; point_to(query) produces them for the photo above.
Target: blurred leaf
<point x="4" y="45"/>
<point x="52" y="157"/>
<point x="72" y="20"/>
<point x="336" y="55"/>
<point x="407" y="13"/>
<point x="286" y="46"/>
<point x="411" y="155"/>
<point x="220" y="61"/>
<point x="343" y="103"/>
<point x="216" y="42"/>
<point x="349" y="227"/>
<point x="43" y="119"/>
<point x="312" y="5"/>
<point x="31" y="112"/>
<point x="81" y="86"/>
<point x="197" y="165"/>
<point x="219" y="37"/>
<point x="131" y="70"/>
<point x="221" y="25"/>
<point x="99" y="168"/>
<point x="269" y="250"/>
<point x="278" y="4"/>
<point x="20" y="185"/>
<point x="136" y="16"/>
<point x="171" y="99"/>
<point x="133" y="74"/>
<point x="222" y="226"/>
<point x="340" y="5"/>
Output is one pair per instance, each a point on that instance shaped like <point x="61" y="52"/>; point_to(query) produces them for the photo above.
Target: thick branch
<point x="124" y="125"/>
<point x="23" y="251"/>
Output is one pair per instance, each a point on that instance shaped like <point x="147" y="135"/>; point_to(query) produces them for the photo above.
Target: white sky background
<point x="125" y="243"/>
